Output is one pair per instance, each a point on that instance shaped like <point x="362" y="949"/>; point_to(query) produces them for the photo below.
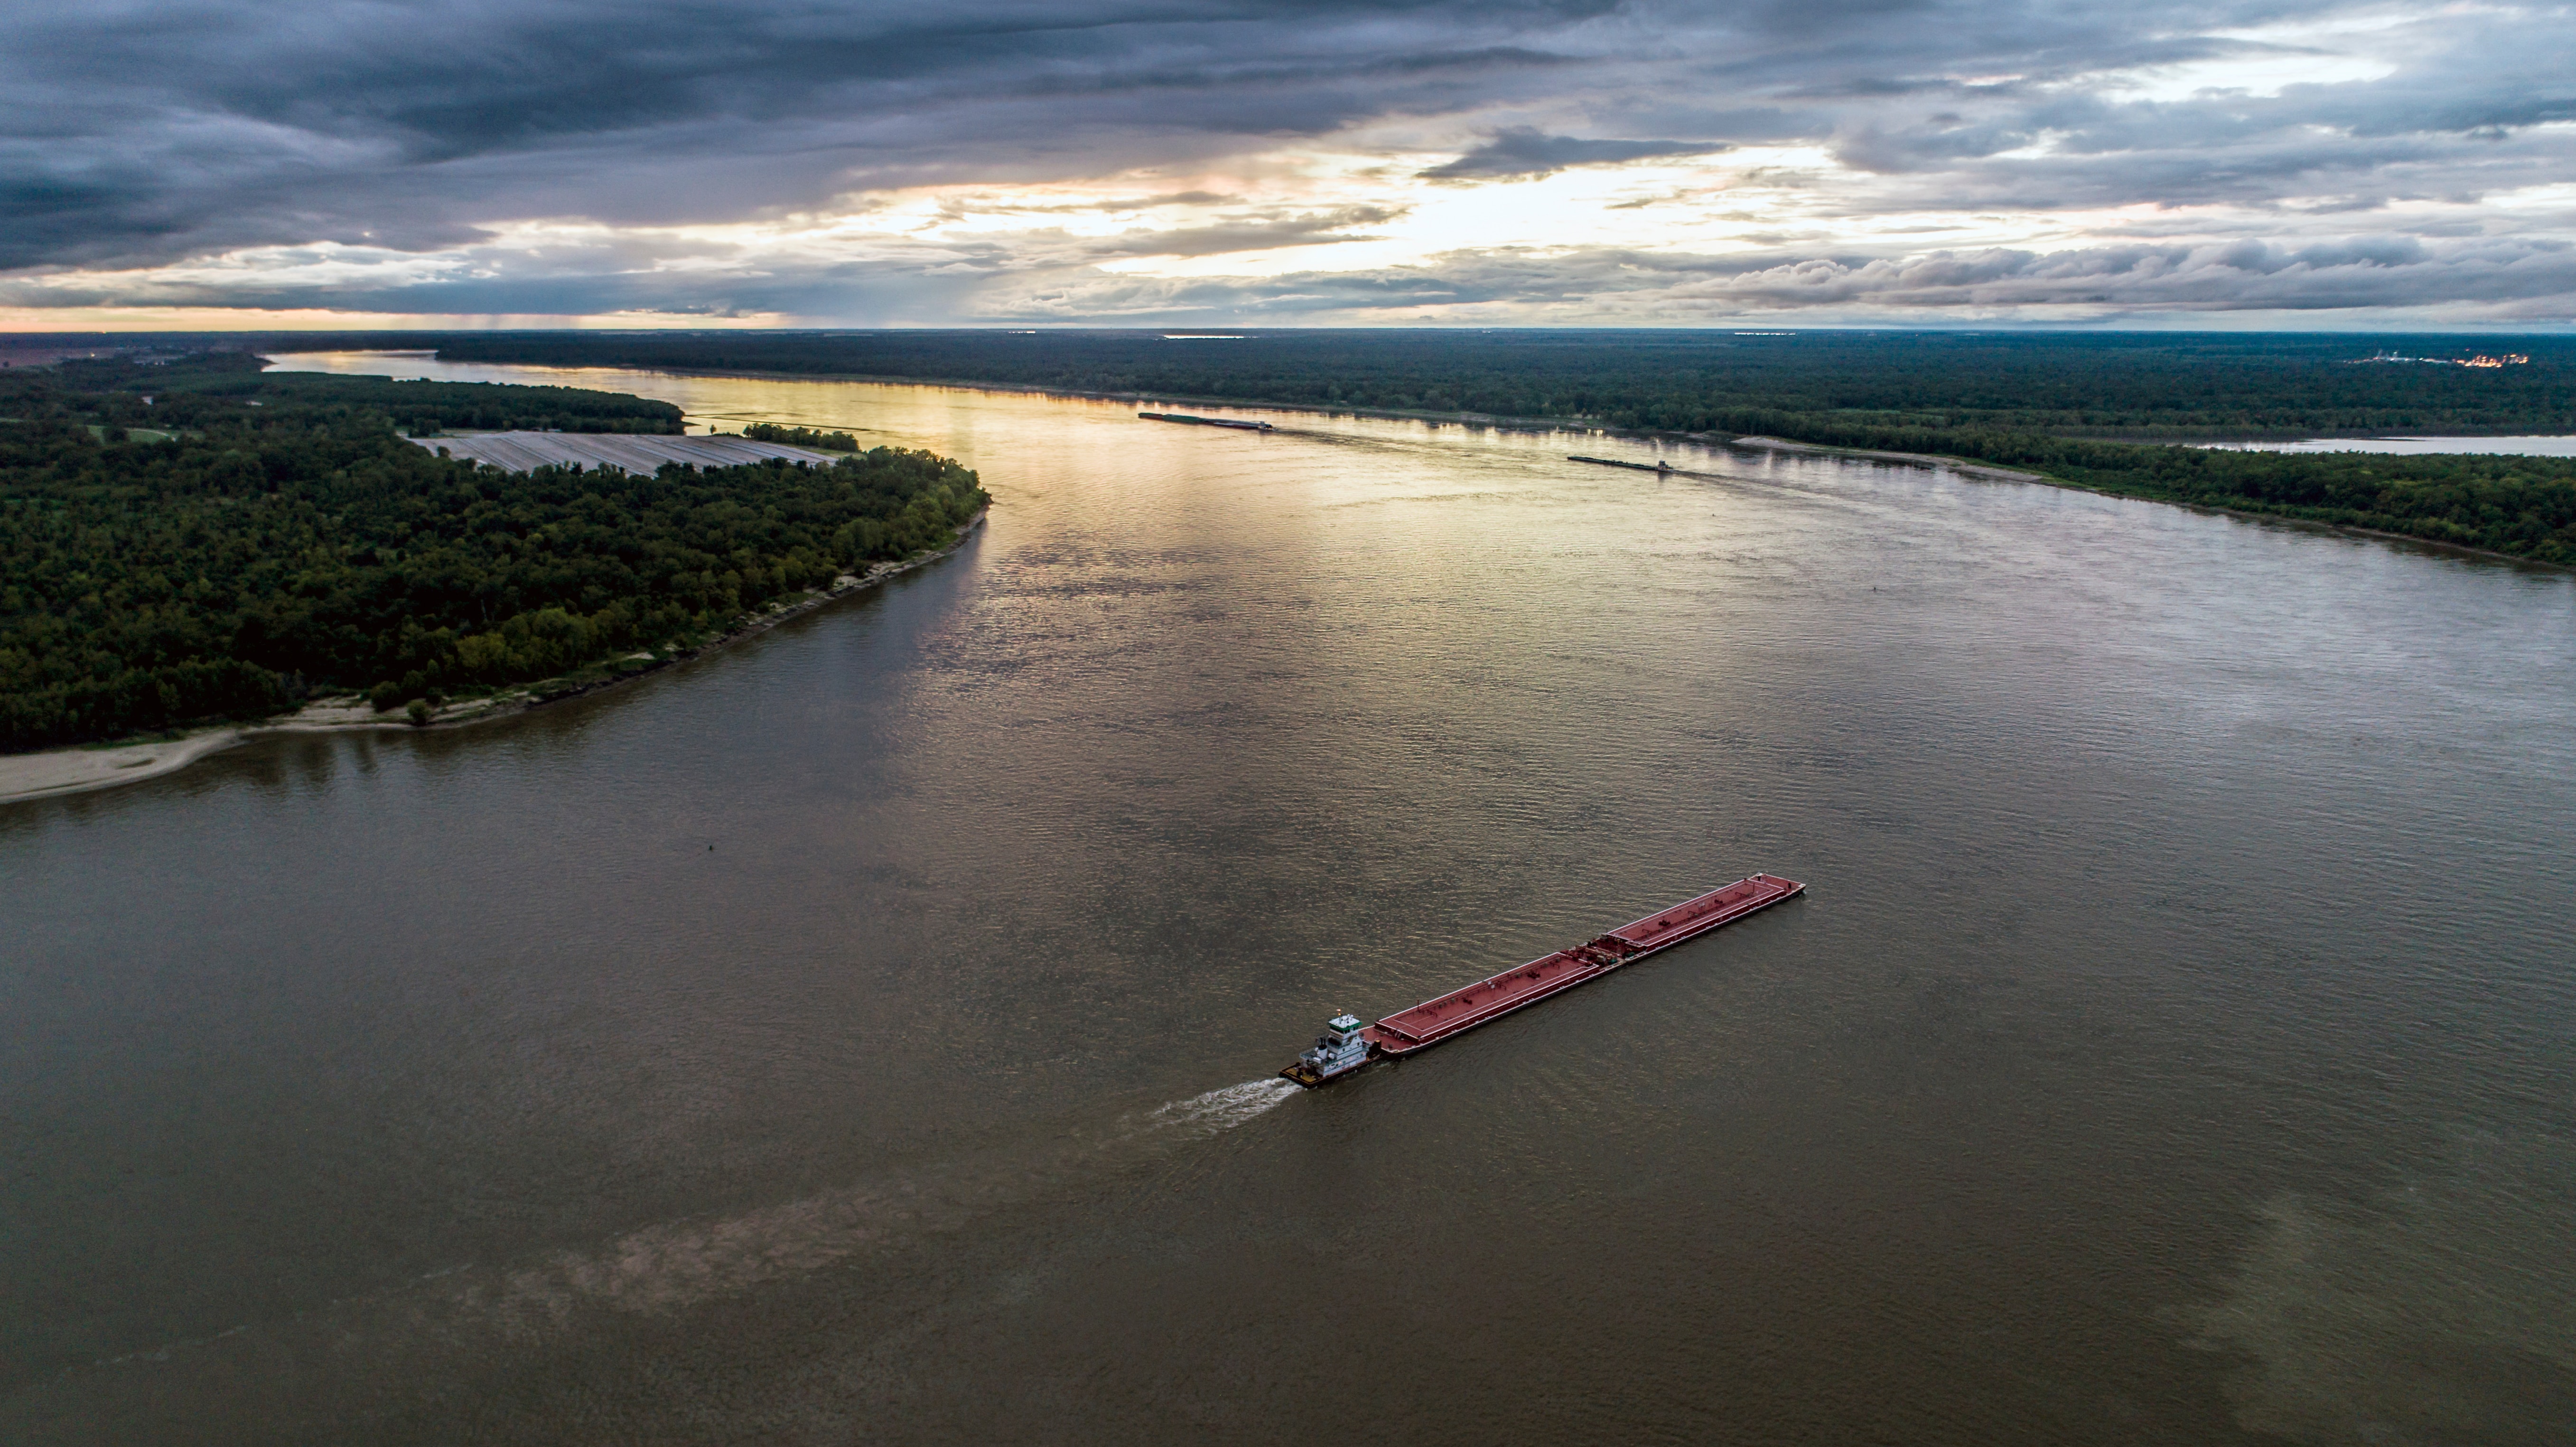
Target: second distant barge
<point x="1346" y="1044"/>
<point x="1207" y="421"/>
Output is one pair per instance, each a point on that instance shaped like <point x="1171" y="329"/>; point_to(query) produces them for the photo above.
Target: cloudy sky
<point x="262" y="163"/>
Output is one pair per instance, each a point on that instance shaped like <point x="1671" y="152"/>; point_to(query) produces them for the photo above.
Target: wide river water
<point x="867" y="1032"/>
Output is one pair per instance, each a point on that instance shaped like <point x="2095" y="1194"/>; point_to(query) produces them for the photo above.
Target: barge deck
<point x="1489" y="999"/>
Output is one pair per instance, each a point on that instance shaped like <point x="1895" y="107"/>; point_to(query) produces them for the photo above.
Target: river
<point x="866" y="1032"/>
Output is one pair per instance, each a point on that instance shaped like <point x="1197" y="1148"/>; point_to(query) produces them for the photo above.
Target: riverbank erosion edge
<point x="56" y="772"/>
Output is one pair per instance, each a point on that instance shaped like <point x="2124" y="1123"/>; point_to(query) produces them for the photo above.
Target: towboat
<point x="1338" y="1051"/>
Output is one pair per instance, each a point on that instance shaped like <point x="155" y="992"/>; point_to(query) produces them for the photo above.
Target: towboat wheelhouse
<point x="1338" y="1051"/>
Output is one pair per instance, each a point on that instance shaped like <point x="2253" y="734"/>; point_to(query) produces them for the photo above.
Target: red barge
<point x="1347" y="1044"/>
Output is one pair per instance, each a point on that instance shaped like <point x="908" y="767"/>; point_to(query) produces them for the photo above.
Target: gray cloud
<point x="161" y="130"/>
<point x="2363" y="277"/>
<point x="2361" y="273"/>
<point x="1526" y="151"/>
<point x="158" y="130"/>
<point x="1258" y="233"/>
<point x="2469" y="281"/>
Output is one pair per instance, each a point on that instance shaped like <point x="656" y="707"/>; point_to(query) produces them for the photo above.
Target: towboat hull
<point x="1309" y="1077"/>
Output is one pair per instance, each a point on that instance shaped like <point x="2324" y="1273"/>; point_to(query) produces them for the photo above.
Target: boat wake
<point x="1227" y="1108"/>
<point x="464" y="1312"/>
<point x="669" y="1266"/>
<point x="663" y="1267"/>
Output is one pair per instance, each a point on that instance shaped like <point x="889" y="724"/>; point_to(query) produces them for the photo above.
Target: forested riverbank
<point x="2097" y="411"/>
<point x="2120" y="386"/>
<point x="188" y="390"/>
<point x="267" y="540"/>
<point x="2522" y="507"/>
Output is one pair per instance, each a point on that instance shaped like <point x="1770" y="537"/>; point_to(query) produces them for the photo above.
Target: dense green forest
<point x="226" y="383"/>
<point x="2521" y="506"/>
<point x="198" y="557"/>
<point x="815" y="438"/>
<point x="2085" y="409"/>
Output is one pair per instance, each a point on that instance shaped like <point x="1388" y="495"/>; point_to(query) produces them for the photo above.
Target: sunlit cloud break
<point x="774" y="163"/>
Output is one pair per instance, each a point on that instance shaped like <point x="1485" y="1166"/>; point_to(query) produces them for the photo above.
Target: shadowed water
<point x="866" y="1032"/>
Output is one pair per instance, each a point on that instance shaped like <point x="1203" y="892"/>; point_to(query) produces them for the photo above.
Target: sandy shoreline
<point x="57" y="772"/>
<point x="71" y="771"/>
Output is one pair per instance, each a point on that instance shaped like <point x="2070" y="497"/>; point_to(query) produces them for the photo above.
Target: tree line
<point x="196" y="558"/>
<point x="220" y="384"/>
<point x="819" y="440"/>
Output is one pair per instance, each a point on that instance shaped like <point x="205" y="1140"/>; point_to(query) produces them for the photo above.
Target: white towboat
<point x="1340" y="1050"/>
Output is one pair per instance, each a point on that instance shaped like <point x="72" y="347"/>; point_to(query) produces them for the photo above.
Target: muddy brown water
<point x="865" y="1033"/>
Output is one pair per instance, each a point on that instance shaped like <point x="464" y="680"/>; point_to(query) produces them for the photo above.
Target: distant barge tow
<point x="1346" y="1044"/>
<point x="1184" y="417"/>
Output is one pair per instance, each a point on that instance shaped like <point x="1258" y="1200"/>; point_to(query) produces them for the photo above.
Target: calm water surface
<point x="865" y="1033"/>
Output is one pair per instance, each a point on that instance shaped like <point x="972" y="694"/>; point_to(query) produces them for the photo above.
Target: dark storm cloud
<point x="1526" y="151"/>
<point x="2474" y="279"/>
<point x="141" y="132"/>
<point x="154" y="131"/>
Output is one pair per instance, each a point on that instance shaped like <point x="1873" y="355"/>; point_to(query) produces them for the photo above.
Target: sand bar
<point x="69" y="771"/>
